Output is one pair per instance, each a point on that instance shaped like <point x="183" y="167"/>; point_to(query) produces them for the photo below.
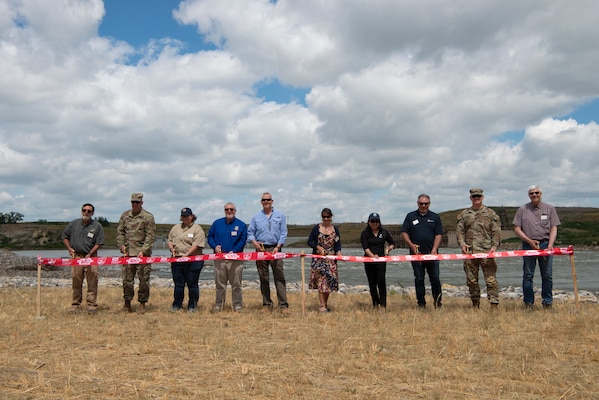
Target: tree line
<point x="13" y="217"/>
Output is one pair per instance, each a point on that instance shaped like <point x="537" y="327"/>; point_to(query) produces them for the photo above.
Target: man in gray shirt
<point x="83" y="237"/>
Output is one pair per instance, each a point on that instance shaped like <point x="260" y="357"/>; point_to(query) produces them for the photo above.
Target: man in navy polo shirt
<point x="422" y="231"/>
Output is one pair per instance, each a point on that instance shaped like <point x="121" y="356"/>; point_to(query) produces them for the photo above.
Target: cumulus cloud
<point x="403" y="98"/>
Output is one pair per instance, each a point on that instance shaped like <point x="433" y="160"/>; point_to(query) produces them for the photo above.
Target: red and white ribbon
<point x="265" y="256"/>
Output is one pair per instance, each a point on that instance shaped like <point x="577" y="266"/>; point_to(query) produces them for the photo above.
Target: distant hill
<point x="580" y="226"/>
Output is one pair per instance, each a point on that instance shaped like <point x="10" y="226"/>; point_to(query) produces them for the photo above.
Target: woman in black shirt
<point x="374" y="239"/>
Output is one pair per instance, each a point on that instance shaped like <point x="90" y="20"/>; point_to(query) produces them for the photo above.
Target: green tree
<point x="103" y="221"/>
<point x="11" y="217"/>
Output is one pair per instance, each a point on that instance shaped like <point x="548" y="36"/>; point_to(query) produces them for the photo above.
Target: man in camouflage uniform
<point x="135" y="238"/>
<point x="479" y="231"/>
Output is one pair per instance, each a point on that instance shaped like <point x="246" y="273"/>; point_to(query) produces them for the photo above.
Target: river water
<point x="509" y="271"/>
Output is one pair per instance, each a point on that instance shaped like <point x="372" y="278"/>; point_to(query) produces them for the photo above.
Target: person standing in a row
<point x="536" y="224"/>
<point x="135" y="238"/>
<point x="228" y="235"/>
<point x="324" y="240"/>
<point x="422" y="231"/>
<point x="184" y="240"/>
<point x="376" y="242"/>
<point x="268" y="232"/>
<point x="479" y="231"/>
<point x="83" y="237"/>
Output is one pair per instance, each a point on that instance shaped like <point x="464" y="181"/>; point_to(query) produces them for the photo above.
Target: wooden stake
<point x="303" y="286"/>
<point x="39" y="287"/>
<point x="574" y="280"/>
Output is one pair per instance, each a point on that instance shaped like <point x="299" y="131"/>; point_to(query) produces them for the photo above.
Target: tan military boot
<point x="142" y="308"/>
<point x="127" y="306"/>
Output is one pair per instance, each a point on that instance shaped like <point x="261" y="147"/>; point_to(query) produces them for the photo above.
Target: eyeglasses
<point x="476" y="196"/>
<point x="87" y="211"/>
<point x="135" y="202"/>
<point x="531" y="193"/>
<point x="265" y="200"/>
<point x="423" y="204"/>
<point x="327" y="216"/>
<point x="229" y="209"/>
<point x="375" y="221"/>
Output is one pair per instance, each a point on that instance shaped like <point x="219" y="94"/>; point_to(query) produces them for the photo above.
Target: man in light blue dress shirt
<point x="268" y="232"/>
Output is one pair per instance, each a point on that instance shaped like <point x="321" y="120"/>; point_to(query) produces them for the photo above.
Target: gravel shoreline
<point x="20" y="272"/>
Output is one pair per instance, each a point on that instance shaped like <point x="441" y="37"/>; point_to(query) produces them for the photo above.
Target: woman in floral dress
<point x="324" y="240"/>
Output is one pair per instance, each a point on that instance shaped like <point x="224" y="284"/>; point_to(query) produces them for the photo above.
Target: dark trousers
<point x="186" y="274"/>
<point x="375" y="272"/>
<point x="432" y="269"/>
<point x="279" y="276"/>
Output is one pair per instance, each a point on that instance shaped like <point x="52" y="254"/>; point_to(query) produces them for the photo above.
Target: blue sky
<point x="137" y="22"/>
<point x="354" y="106"/>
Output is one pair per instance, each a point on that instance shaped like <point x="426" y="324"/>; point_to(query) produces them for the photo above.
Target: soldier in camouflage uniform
<point x="479" y="231"/>
<point x="135" y="238"/>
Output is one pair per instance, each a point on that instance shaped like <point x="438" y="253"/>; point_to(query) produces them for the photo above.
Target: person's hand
<point x="218" y="249"/>
<point x="465" y="249"/>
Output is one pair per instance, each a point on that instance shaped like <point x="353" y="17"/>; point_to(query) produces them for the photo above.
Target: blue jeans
<point x="186" y="273"/>
<point x="432" y="269"/>
<point x="545" y="266"/>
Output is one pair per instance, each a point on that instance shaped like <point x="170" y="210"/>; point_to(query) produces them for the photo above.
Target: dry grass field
<point x="350" y="353"/>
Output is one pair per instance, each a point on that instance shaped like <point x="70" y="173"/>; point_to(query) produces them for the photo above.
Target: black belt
<point x="270" y="245"/>
<point x="541" y="240"/>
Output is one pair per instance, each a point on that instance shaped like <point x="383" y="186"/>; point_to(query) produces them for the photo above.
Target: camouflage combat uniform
<point x="481" y="230"/>
<point x="136" y="233"/>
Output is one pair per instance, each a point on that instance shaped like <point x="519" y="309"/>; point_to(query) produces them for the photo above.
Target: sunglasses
<point x="531" y="193"/>
<point x="88" y="211"/>
<point x="265" y="200"/>
<point x="423" y="204"/>
<point x="326" y="216"/>
<point x="135" y="202"/>
<point x="229" y="209"/>
<point x="476" y="196"/>
<point x="375" y="221"/>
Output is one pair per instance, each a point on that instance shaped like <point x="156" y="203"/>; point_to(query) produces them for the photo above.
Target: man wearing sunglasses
<point x="479" y="231"/>
<point x="422" y="231"/>
<point x="135" y="238"/>
<point x="536" y="224"/>
<point x="83" y="237"/>
<point x="268" y="232"/>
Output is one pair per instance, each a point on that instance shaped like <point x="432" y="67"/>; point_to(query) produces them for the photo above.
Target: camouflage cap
<point x="476" y="191"/>
<point x="137" y="196"/>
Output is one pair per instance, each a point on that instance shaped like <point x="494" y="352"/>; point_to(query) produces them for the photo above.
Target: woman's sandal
<point x="324" y="309"/>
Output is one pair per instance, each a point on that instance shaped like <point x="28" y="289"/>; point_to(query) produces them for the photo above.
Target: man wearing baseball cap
<point x="479" y="231"/>
<point x="135" y="238"/>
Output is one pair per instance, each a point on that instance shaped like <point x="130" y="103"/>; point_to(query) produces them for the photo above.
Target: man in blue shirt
<point x="423" y="232"/>
<point x="268" y="232"/>
<point x="228" y="235"/>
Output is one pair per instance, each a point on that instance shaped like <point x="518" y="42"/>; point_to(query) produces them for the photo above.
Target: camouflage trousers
<point x="489" y="268"/>
<point x="143" y="274"/>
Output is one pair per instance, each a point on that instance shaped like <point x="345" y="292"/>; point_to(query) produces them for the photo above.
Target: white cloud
<point x="405" y="97"/>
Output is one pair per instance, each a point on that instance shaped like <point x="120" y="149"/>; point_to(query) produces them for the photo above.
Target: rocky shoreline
<point x="20" y="272"/>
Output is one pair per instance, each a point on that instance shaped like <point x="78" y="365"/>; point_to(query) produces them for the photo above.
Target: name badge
<point x="544" y="216"/>
<point x="190" y="235"/>
<point x="90" y="235"/>
<point x="233" y="233"/>
<point x="415" y="222"/>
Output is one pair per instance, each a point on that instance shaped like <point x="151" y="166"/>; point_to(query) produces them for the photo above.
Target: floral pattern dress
<point x="323" y="273"/>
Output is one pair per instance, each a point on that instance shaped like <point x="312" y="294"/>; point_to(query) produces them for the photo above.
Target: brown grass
<point x="351" y="353"/>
